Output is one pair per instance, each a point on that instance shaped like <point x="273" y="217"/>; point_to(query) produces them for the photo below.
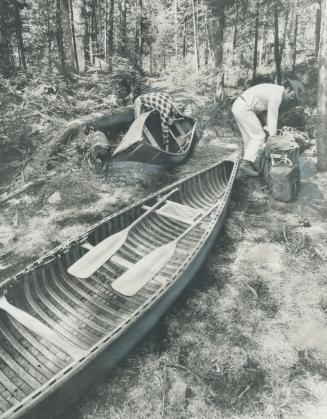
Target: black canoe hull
<point x="144" y="152"/>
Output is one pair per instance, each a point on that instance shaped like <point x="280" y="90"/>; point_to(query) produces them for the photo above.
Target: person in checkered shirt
<point x="164" y="104"/>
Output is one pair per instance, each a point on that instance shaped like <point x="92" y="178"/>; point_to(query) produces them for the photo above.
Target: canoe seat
<point x="180" y="136"/>
<point x="178" y="212"/>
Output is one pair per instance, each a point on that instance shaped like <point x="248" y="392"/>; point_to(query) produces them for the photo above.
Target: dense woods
<point x="148" y="35"/>
<point x="232" y="41"/>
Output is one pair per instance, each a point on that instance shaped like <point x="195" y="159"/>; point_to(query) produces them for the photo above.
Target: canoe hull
<point x="144" y="152"/>
<point x="75" y="387"/>
<point x="70" y="382"/>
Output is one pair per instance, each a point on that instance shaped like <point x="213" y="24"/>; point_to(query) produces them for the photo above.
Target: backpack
<point x="281" y="168"/>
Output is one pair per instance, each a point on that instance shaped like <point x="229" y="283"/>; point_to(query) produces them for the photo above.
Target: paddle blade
<point x="144" y="270"/>
<point x="98" y="255"/>
<point x="39" y="328"/>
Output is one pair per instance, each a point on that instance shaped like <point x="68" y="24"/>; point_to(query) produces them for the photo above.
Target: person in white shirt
<point x="260" y="98"/>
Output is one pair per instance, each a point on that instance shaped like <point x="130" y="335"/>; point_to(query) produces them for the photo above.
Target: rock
<point x="55" y="198"/>
<point x="177" y="392"/>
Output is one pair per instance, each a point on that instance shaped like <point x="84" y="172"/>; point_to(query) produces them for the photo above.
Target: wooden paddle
<point x="131" y="281"/>
<point x="39" y="328"/>
<point x="99" y="254"/>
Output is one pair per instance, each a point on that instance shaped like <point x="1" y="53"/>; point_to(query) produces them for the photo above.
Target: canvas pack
<point x="281" y="168"/>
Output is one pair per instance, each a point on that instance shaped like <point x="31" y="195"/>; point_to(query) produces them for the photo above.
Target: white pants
<point x="250" y="127"/>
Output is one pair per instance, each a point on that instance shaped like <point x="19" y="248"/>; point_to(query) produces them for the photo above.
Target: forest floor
<point x="248" y="339"/>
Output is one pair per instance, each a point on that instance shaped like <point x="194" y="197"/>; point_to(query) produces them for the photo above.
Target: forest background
<point x="66" y="63"/>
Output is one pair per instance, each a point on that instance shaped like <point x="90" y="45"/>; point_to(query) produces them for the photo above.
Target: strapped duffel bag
<point x="282" y="169"/>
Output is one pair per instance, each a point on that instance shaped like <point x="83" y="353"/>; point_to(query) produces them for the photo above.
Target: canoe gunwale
<point x="99" y="347"/>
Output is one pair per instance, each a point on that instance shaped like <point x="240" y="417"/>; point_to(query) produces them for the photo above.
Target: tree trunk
<point x="6" y="65"/>
<point x="67" y="36"/>
<point x="96" y="28"/>
<point x="317" y="29"/>
<point x="235" y="26"/>
<point x="111" y="34"/>
<point x="322" y="92"/>
<point x="140" y="37"/>
<point x="216" y="30"/>
<point x="276" y="44"/>
<point x="92" y="34"/>
<point x="216" y="24"/>
<point x="176" y="27"/>
<point x="282" y="47"/>
<point x="184" y="42"/>
<point x="255" y="51"/>
<point x="80" y="29"/>
<point x="124" y="29"/>
<point x="59" y="36"/>
<point x="207" y="48"/>
<point x="73" y="34"/>
<point x="49" y="36"/>
<point x="263" y="48"/>
<point x="19" y="34"/>
<point x="295" y="42"/>
<point x="85" y="18"/>
<point x="105" y="40"/>
<point x="195" y="36"/>
<point x="288" y="48"/>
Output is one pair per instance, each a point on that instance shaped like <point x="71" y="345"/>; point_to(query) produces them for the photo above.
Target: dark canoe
<point x="94" y="325"/>
<point x="144" y="143"/>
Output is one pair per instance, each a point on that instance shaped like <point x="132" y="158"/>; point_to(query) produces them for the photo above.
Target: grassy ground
<point x="248" y="339"/>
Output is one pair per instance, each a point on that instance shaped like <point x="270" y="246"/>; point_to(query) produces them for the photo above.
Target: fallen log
<point x="24" y="188"/>
<point x="112" y="120"/>
<point x="107" y="122"/>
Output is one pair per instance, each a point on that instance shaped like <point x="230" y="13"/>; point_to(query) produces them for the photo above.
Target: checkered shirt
<point x="164" y="104"/>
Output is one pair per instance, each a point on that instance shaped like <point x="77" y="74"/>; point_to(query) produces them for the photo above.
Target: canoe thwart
<point x="123" y="263"/>
<point x="86" y="245"/>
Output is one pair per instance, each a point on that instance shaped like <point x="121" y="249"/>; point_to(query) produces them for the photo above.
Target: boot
<point x="247" y="168"/>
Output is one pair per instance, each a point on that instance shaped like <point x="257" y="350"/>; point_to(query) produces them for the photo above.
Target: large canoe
<point x="59" y="332"/>
<point x="144" y="143"/>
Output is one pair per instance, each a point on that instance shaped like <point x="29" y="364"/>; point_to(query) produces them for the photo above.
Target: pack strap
<point x="282" y="158"/>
